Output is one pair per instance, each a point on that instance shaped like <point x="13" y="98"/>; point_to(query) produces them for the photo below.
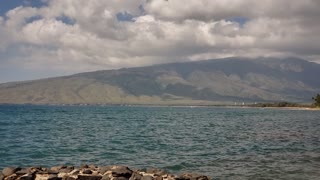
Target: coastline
<point x="93" y="172"/>
<point x="175" y="105"/>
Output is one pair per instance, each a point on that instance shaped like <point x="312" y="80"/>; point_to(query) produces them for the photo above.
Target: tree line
<point x="316" y="100"/>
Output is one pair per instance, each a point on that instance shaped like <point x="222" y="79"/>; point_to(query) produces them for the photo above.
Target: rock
<point x="203" y="178"/>
<point x="27" y="177"/>
<point x="105" y="177"/>
<point x="121" y="171"/>
<point x="66" y="169"/>
<point x="81" y="177"/>
<point x="23" y="171"/>
<point x="48" y="171"/>
<point x="102" y="170"/>
<point x="1" y="176"/>
<point x="11" y="177"/>
<point x="55" y="178"/>
<point x="68" y="178"/>
<point x="147" y="178"/>
<point x="70" y="167"/>
<point x="135" y="176"/>
<point x="92" y="166"/>
<point x="188" y="176"/>
<point x="83" y="166"/>
<point x="87" y="171"/>
<point x="75" y="172"/>
<point x="44" y="169"/>
<point x="169" y="177"/>
<point x="35" y="169"/>
<point x="9" y="171"/>
<point x="58" y="168"/>
<point x="92" y="172"/>
<point x="95" y="173"/>
<point x="47" y="177"/>
<point x="120" y="178"/>
<point x="156" y="172"/>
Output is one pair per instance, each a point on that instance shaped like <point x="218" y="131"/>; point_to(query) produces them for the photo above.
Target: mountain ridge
<point x="215" y="81"/>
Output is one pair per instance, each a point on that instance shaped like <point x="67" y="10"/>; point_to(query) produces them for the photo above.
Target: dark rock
<point x="70" y="167"/>
<point x="120" y="178"/>
<point x="80" y="177"/>
<point x="121" y="171"/>
<point x="87" y="171"/>
<point x="54" y="177"/>
<point x="147" y="178"/>
<point x="49" y="171"/>
<point x="135" y="176"/>
<point x="68" y="178"/>
<point x="158" y="178"/>
<point x="9" y="171"/>
<point x="53" y="172"/>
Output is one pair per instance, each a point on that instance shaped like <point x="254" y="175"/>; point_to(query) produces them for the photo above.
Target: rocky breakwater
<point x="92" y="172"/>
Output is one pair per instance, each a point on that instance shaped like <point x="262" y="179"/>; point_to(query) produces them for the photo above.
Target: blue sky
<point x="6" y="5"/>
<point x="42" y="39"/>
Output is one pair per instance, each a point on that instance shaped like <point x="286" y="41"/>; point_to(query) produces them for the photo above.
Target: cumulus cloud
<point x="81" y="35"/>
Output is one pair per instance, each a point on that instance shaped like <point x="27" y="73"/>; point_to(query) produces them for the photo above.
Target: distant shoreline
<point x="176" y="105"/>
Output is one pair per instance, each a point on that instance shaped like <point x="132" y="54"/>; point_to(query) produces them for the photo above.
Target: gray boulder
<point x="9" y="171"/>
<point x="121" y="171"/>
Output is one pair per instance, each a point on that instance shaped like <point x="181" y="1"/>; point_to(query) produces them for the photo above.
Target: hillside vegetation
<point x="216" y="81"/>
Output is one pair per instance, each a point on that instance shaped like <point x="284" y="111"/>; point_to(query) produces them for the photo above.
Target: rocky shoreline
<point x="92" y="172"/>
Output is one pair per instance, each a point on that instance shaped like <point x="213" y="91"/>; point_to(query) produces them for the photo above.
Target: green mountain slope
<point x="202" y="82"/>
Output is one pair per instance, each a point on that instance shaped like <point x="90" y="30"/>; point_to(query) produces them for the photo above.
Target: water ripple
<point x="223" y="143"/>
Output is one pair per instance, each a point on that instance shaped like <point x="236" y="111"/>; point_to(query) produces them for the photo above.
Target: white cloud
<point x="81" y="35"/>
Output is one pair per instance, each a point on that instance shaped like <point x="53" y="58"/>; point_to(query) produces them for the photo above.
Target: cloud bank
<point x="80" y="35"/>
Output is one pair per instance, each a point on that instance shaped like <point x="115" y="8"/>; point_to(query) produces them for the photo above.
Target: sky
<point x="45" y="38"/>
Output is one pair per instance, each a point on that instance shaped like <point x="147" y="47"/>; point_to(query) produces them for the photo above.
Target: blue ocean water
<point x="224" y="143"/>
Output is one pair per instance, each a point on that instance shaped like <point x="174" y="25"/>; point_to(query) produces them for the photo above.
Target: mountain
<point x="201" y="82"/>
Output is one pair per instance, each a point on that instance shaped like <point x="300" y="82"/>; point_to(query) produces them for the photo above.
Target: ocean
<point x="223" y="143"/>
